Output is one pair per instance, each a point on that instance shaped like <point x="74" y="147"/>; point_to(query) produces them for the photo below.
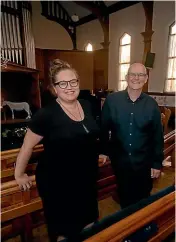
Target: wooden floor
<point x="109" y="206"/>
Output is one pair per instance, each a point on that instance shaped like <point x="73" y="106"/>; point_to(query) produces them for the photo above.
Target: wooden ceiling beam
<point x="86" y="19"/>
<point x="111" y="9"/>
<point x="99" y="10"/>
<point x="147" y="34"/>
<point x="148" y="9"/>
<point x="121" y="5"/>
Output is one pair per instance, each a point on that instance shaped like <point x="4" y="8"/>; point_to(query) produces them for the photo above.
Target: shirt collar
<point x="128" y="98"/>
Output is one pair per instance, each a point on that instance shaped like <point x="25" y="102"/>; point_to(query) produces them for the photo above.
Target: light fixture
<point x="75" y="18"/>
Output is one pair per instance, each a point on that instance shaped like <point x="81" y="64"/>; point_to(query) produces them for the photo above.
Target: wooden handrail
<point x="13" y="184"/>
<point x="14" y="152"/>
<point x="125" y="227"/>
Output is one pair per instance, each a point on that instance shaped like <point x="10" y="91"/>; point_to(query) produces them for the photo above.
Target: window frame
<point x="169" y="58"/>
<point x="89" y="42"/>
<point x="122" y="63"/>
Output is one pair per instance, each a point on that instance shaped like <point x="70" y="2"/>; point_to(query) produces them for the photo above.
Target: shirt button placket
<point x="130" y="128"/>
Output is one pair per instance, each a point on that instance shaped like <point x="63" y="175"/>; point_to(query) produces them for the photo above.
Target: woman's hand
<point x="102" y="159"/>
<point x="24" y="182"/>
<point x="30" y="141"/>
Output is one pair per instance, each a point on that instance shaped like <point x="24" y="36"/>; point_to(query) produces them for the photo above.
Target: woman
<point x="66" y="176"/>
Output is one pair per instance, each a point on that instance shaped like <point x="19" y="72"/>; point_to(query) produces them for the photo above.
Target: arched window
<point x="124" y="60"/>
<point x="170" y="84"/>
<point x="89" y="47"/>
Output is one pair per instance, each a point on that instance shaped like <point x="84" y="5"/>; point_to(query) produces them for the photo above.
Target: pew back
<point x="161" y="212"/>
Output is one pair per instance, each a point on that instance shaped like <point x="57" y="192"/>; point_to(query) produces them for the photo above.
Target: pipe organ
<point x="17" y="41"/>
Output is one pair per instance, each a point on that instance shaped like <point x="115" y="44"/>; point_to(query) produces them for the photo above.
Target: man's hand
<point x="155" y="173"/>
<point x="102" y="159"/>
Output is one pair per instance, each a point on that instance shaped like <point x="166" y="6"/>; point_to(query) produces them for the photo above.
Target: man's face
<point x="136" y="77"/>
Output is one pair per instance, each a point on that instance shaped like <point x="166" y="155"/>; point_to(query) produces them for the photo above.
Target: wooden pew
<point x="107" y="185"/>
<point x="8" y="159"/>
<point x="22" y="211"/>
<point x="160" y="212"/>
<point x="19" y="210"/>
<point x="106" y="181"/>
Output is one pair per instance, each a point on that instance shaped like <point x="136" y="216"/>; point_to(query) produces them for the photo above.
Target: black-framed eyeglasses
<point x="64" y="84"/>
<point x="139" y="75"/>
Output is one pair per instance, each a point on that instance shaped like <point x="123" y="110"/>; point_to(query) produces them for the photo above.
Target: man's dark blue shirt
<point x="136" y="131"/>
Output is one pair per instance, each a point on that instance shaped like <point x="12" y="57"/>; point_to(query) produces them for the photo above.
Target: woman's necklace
<point x="85" y="128"/>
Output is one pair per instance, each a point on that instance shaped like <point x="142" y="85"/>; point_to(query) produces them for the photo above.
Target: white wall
<point x="163" y="17"/>
<point x="48" y="34"/>
<point x="132" y="21"/>
<point x="90" y="32"/>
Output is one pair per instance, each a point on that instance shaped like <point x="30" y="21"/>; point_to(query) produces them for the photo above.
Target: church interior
<point x="100" y="39"/>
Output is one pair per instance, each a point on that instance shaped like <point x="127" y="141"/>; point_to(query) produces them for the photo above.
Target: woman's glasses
<point x="64" y="84"/>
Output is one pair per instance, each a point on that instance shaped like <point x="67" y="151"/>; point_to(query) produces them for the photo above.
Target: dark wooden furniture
<point x="19" y="84"/>
<point x="14" y="69"/>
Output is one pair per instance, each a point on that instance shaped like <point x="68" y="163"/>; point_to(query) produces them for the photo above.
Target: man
<point x="136" y="145"/>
